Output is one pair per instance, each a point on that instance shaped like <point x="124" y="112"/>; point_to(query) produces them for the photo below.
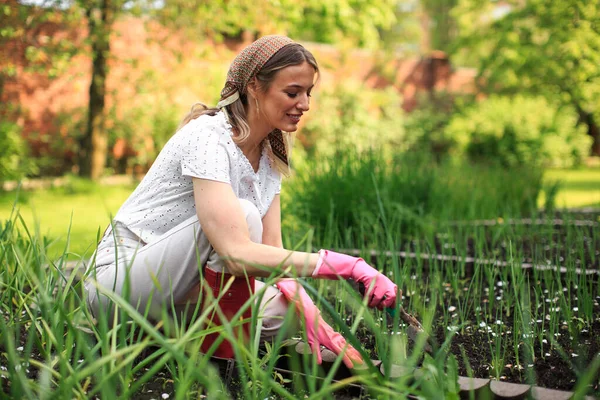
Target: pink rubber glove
<point x="324" y="335"/>
<point x="380" y="289"/>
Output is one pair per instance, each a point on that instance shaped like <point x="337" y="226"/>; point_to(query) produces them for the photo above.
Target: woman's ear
<point x="252" y="87"/>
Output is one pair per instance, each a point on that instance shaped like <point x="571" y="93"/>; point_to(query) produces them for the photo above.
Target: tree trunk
<point x="94" y="146"/>
<point x="441" y="25"/>
<point x="425" y="22"/>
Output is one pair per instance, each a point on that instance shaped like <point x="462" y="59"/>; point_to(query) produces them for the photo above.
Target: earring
<point x="257" y="108"/>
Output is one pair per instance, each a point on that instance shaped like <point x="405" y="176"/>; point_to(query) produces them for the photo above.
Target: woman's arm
<point x="318" y="332"/>
<point x="224" y="224"/>
<point x="272" y="224"/>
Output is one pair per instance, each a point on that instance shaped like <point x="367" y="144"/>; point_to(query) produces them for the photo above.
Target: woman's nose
<point x="304" y="103"/>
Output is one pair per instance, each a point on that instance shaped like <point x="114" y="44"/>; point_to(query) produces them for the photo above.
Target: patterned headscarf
<point x="243" y="68"/>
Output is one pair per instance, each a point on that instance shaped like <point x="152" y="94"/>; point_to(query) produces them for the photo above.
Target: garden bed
<point x="521" y="298"/>
<point x="515" y="302"/>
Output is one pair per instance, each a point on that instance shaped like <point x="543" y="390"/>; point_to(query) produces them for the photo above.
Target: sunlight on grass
<point x="578" y="187"/>
<point x="54" y="209"/>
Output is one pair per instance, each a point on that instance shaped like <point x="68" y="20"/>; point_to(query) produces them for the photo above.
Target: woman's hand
<point x="380" y="290"/>
<point x="318" y="332"/>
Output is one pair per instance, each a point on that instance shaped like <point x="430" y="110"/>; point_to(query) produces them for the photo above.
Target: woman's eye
<point x="292" y="95"/>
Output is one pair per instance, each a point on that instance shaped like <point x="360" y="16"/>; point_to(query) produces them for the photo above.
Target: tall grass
<point x="351" y="199"/>
<point x="51" y="347"/>
<point x="410" y="203"/>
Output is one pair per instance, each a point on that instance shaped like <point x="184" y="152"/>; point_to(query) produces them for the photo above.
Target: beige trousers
<point x="164" y="271"/>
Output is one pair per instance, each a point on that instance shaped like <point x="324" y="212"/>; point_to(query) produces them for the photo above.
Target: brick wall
<point x="138" y="46"/>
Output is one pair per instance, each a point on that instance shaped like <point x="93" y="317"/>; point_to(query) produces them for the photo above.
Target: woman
<point x="209" y="208"/>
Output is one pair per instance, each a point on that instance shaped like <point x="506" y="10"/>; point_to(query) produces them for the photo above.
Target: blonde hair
<point x="291" y="54"/>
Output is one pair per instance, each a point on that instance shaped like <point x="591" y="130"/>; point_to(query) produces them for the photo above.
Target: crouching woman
<point x="209" y="209"/>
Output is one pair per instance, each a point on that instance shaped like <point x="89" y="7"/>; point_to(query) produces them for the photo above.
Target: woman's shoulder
<point x="205" y="133"/>
<point x="209" y="123"/>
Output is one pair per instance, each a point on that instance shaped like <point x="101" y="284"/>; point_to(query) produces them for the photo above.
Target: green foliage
<point x="542" y="47"/>
<point x="354" y="21"/>
<point x="24" y="32"/>
<point x="56" y="149"/>
<point x="145" y="128"/>
<point x="46" y="352"/>
<point x="442" y="23"/>
<point x="149" y="119"/>
<point x="14" y="164"/>
<point x="376" y="195"/>
<point x="519" y="131"/>
<point x="352" y="115"/>
<point x="335" y="21"/>
<point x="28" y="46"/>
<point x="426" y="125"/>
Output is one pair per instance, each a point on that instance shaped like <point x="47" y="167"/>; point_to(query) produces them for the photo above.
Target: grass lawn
<point x="85" y="208"/>
<point x="578" y="187"/>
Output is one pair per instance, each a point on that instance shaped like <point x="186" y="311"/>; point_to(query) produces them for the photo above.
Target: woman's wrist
<point x="321" y="258"/>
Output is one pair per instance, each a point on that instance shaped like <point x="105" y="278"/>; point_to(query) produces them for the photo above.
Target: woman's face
<point x="281" y="106"/>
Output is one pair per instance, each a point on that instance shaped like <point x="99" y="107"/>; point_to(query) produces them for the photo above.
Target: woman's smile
<point x="284" y="102"/>
<point x="295" y="118"/>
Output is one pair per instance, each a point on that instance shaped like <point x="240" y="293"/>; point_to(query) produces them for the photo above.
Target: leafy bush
<point x="14" y="164"/>
<point x="146" y="121"/>
<point x="426" y="125"/>
<point x="57" y="150"/>
<point x="350" y="115"/>
<point x="519" y="131"/>
<point x="145" y="128"/>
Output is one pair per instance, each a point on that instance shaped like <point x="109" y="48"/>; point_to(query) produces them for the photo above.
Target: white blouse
<point x="203" y="148"/>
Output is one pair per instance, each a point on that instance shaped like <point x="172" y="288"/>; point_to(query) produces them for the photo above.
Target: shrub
<point x="146" y="121"/>
<point x="145" y="128"/>
<point x="14" y="164"/>
<point x="519" y="131"/>
<point x="350" y="115"/>
<point x="60" y="153"/>
<point x="425" y="126"/>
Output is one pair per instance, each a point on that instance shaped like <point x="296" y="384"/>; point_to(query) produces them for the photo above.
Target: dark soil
<point x="538" y="245"/>
<point x="562" y="361"/>
<point x="560" y="357"/>
<point x="557" y="364"/>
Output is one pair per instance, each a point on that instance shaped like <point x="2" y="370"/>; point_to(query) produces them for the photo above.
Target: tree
<point x="545" y="47"/>
<point x="438" y="23"/>
<point x="100" y="16"/>
<point x="27" y="45"/>
<point x="30" y="30"/>
<point x="358" y="20"/>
